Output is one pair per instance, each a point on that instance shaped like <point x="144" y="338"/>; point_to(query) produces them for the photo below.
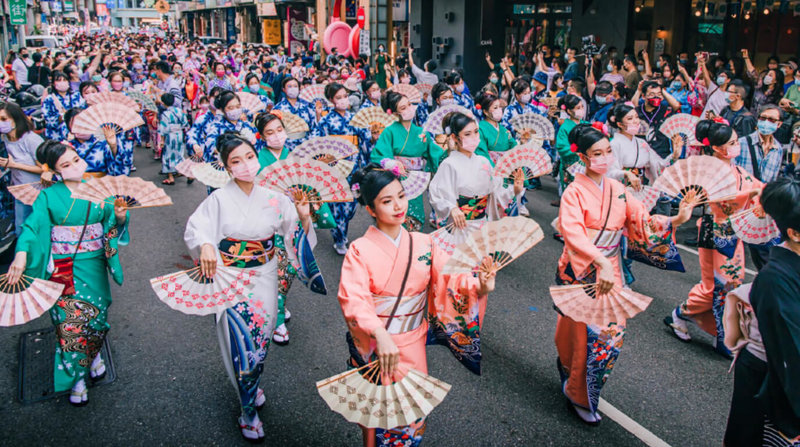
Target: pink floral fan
<point x="582" y="303"/>
<point x="318" y="181"/>
<point x="754" y="226"/>
<point x="313" y="93"/>
<point x="193" y="294"/>
<point x="185" y="167"/>
<point x="434" y="122"/>
<point x="682" y="124"/>
<point x="647" y="195"/>
<point x="104" y="115"/>
<point x="449" y="237"/>
<point x="415" y="183"/>
<point x="27" y="192"/>
<point x="332" y="151"/>
<point x="413" y="94"/>
<point x="250" y="102"/>
<point x="113" y="97"/>
<point x="424" y="88"/>
<point x="531" y="158"/>
<point x="27" y="299"/>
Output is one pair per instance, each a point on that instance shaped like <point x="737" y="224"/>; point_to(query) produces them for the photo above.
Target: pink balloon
<point x="354" y="40"/>
<point x="337" y="35"/>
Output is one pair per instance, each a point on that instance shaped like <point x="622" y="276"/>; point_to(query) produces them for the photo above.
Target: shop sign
<point x="17" y="12"/>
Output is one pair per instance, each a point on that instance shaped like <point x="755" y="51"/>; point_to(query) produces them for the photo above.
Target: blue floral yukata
<point x="304" y="110"/>
<point x="94" y="152"/>
<point x="53" y="109"/>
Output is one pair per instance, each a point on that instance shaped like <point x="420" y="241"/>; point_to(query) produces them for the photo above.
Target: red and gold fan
<point x="530" y="157"/>
<point x="250" y="102"/>
<point x="317" y="181"/>
<point x="529" y="125"/>
<point x="434" y="122"/>
<point x="123" y="192"/>
<point x="192" y="293"/>
<point x="314" y="93"/>
<point x="104" y="115"/>
<point x="329" y="150"/>
<point x="424" y="88"/>
<point x="755" y="227"/>
<point x="27" y="192"/>
<point x="711" y="179"/>
<point x="26" y="300"/>
<point x="501" y="240"/>
<point x="582" y="303"/>
<point x="295" y="126"/>
<point x="372" y="118"/>
<point x="647" y="195"/>
<point x="356" y="395"/>
<point x="413" y="94"/>
<point x="212" y="174"/>
<point x="682" y="124"/>
<point x="114" y="98"/>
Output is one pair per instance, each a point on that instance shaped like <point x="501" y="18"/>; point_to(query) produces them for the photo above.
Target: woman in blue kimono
<point x="196" y="136"/>
<point x="460" y="94"/>
<point x="116" y="83"/>
<point x="337" y="123"/>
<point x="60" y="99"/>
<point x="520" y="105"/>
<point x="253" y="85"/>
<point x="441" y="95"/>
<point x="372" y="91"/>
<point x="231" y="120"/>
<point x="95" y="152"/>
<point x="292" y="103"/>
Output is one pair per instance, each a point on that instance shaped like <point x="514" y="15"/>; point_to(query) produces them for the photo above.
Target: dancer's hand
<point x="486" y="276"/>
<point x="519" y="181"/>
<point x="458" y="218"/>
<point x="605" y="275"/>
<point x="634" y="180"/>
<point x="208" y="260"/>
<point x="17" y="268"/>
<point x="688" y="203"/>
<point x="386" y="349"/>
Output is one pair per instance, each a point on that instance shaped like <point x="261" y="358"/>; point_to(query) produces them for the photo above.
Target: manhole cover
<point x="36" y="363"/>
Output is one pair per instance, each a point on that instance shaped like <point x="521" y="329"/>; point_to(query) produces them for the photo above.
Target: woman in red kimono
<point x="595" y="212"/>
<point x="389" y="264"/>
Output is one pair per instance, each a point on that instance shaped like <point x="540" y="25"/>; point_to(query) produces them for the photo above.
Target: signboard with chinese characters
<point x="272" y="31"/>
<point x="17" y="12"/>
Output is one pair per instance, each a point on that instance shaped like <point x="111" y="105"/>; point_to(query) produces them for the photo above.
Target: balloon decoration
<point x="340" y="35"/>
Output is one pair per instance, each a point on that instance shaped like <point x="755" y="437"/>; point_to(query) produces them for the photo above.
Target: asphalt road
<point x="172" y="389"/>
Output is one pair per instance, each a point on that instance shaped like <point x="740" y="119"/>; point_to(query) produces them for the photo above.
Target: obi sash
<point x="63" y="239"/>
<point x="409" y="315"/>
<point x="350" y="138"/>
<point x="412" y="163"/>
<point x="246" y="254"/>
<point x="473" y="207"/>
<point x="609" y="242"/>
<point x="175" y="128"/>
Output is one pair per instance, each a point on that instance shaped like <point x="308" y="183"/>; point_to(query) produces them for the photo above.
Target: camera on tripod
<point x="589" y="47"/>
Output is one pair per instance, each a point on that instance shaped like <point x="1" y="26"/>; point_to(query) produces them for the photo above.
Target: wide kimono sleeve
<point x="384" y="147"/>
<point x="455" y="312"/>
<point x="355" y="298"/>
<point x="615" y="171"/>
<point x="503" y="201"/>
<point x="195" y="133"/>
<point x="562" y="143"/>
<point x="442" y="190"/>
<point x="434" y="153"/>
<point x="114" y="235"/>
<point x="204" y="225"/>
<point x="52" y="117"/>
<point x="578" y="246"/>
<point x="299" y="247"/>
<point x="164" y="122"/>
<point x="35" y="238"/>
<point x="650" y="238"/>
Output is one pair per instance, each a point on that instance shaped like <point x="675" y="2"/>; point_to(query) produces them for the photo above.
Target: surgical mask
<point x="334" y="75"/>
<point x="610" y="67"/>
<point x="342" y="104"/>
<point x="497" y="114"/>
<point x="766" y="127"/>
<point x="116" y="85"/>
<point x="640" y="67"/>
<point x="375" y="95"/>
<point x="233" y="115"/>
<point x="526" y="98"/>
<point x="721" y="80"/>
<point x="292" y="92"/>
<point x="75" y="171"/>
<point x="729" y="99"/>
<point x="126" y="85"/>
<point x="138" y="66"/>
<point x="600" y="164"/>
<point x="83" y="136"/>
<point x="204" y="106"/>
<point x="246" y="171"/>
<point x="277" y="140"/>
<point x="177" y="72"/>
<point x="405" y="81"/>
<point x="254" y="89"/>
<point x="797" y="79"/>
<point x="655" y="102"/>
<point x="460" y="88"/>
<point x="579" y="113"/>
<point x="632" y="129"/>
<point x="220" y="73"/>
<point x="408" y="113"/>
<point x="601" y="99"/>
<point x="768" y="80"/>
<point x="684" y="61"/>
<point x="676" y="85"/>
<point x="6" y="126"/>
<point x="471" y="143"/>
<point x="494" y="80"/>
<point x="446" y="101"/>
<point x="734" y="151"/>
<point x="97" y="78"/>
<point x="61" y="86"/>
<point x="658" y="64"/>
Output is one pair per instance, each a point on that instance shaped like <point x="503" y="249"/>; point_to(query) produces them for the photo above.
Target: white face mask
<point x="408" y="113"/>
<point x="246" y="171"/>
<point x="524" y="99"/>
<point x="497" y="114"/>
<point x="292" y="92"/>
<point x="342" y="104"/>
<point x="768" y="80"/>
<point x="446" y="101"/>
<point x="74" y="172"/>
<point x="375" y="95"/>
<point x="276" y="140"/>
<point x="579" y="113"/>
<point x="471" y="143"/>
<point x="233" y="115"/>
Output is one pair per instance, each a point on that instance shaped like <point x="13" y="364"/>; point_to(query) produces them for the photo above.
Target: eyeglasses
<point x="771" y="120"/>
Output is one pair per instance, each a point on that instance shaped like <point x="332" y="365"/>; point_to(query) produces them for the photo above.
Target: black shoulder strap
<point x="756" y="166"/>
<point x="405" y="278"/>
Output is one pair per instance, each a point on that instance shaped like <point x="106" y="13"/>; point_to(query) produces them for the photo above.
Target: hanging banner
<point x="298" y="39"/>
<point x="17" y="12"/>
<point x="230" y="25"/>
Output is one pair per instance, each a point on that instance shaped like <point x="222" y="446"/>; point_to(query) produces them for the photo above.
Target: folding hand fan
<point x="317" y="181"/>
<point x="250" y="102"/>
<point x="424" y="88"/>
<point x="313" y="93"/>
<point x="105" y="114"/>
<point x="193" y="294"/>
<point x="354" y="395"/>
<point x="318" y="147"/>
<point x="27" y="299"/>
<point x="145" y="101"/>
<point x="647" y="195"/>
<point x="434" y="122"/>
<point x="211" y="174"/>
<point x="683" y="124"/>
<point x="539" y="125"/>
<point x="449" y="237"/>
<point x="576" y="168"/>
<point x="26" y="192"/>
<point x="711" y="178"/>
<point x="122" y="191"/>
<point x="295" y="126"/>
<point x="365" y="118"/>
<point x="534" y="161"/>
<point x="502" y="240"/>
<point x="413" y="94"/>
<point x="414" y="183"/>
<point x="185" y="167"/>
<point x="754" y="226"/>
<point x="112" y="97"/>
<point x="581" y="303"/>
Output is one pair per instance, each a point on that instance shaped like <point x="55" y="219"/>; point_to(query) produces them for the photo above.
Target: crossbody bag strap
<point x="608" y="214"/>
<point x="403" y="284"/>
<point x="756" y="165"/>
<point x="83" y="231"/>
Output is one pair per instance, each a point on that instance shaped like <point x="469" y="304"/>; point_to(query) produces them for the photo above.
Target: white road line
<point x="644" y="435"/>
<point x="683" y="247"/>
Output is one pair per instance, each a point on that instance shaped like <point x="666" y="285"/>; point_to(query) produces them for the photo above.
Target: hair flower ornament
<point x="447" y="130"/>
<point x="706" y="142"/>
<point x="573" y="148"/>
<point x="277" y="113"/>
<point x="601" y="127"/>
<point x="356" y="188"/>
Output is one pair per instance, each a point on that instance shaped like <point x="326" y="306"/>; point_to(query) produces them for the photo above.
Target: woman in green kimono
<point x="271" y="147"/>
<point x="60" y="228"/>
<point x="495" y="138"/>
<point x="404" y="146"/>
<point x="575" y="110"/>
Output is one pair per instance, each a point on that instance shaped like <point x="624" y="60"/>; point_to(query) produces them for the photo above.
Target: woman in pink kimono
<point x="722" y="261"/>
<point x="595" y="212"/>
<point x="389" y="262"/>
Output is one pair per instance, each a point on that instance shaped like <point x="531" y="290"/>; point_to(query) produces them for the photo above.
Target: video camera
<point x="589" y="47"/>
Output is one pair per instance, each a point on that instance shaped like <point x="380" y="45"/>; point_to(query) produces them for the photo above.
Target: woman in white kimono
<point x="464" y="191"/>
<point x="236" y="226"/>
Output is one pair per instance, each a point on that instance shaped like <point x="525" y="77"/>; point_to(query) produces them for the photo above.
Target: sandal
<point x="281" y="335"/>
<point x="98" y="369"/>
<point x="252" y="432"/>
<point x="168" y="182"/>
<point x="678" y="326"/>
<point x="79" y="395"/>
<point x="261" y="399"/>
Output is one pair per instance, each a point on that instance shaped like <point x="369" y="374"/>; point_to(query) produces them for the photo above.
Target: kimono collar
<point x="395" y="241"/>
<point x="595" y="189"/>
<point x="385" y="243"/>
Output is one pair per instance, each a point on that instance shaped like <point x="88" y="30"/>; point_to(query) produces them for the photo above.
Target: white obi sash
<point x="63" y="239"/>
<point x="410" y="312"/>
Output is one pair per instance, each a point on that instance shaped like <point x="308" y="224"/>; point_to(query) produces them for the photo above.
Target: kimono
<point x="465" y="100"/>
<point x="721" y="268"/>
<point x="219" y="126"/>
<point x="122" y="162"/>
<point x="196" y="136"/>
<point x="95" y="153"/>
<point x="51" y="233"/>
<point x="368" y="103"/>
<point x="223" y="83"/>
<point x="567" y="157"/>
<point x="171" y="127"/>
<point x="244" y="229"/>
<point x="423" y="111"/>
<point x="268" y="105"/>
<point x="304" y="110"/>
<point x="336" y="124"/>
<point x="587" y="353"/>
<point x="416" y="151"/>
<point x="494" y="141"/>
<point x="54" y="107"/>
<point x="372" y="274"/>
<point x="635" y="155"/>
<point x="514" y="109"/>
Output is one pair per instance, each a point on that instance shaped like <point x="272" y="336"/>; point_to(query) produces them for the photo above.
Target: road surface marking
<point x="644" y="435"/>
<point x="683" y="247"/>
